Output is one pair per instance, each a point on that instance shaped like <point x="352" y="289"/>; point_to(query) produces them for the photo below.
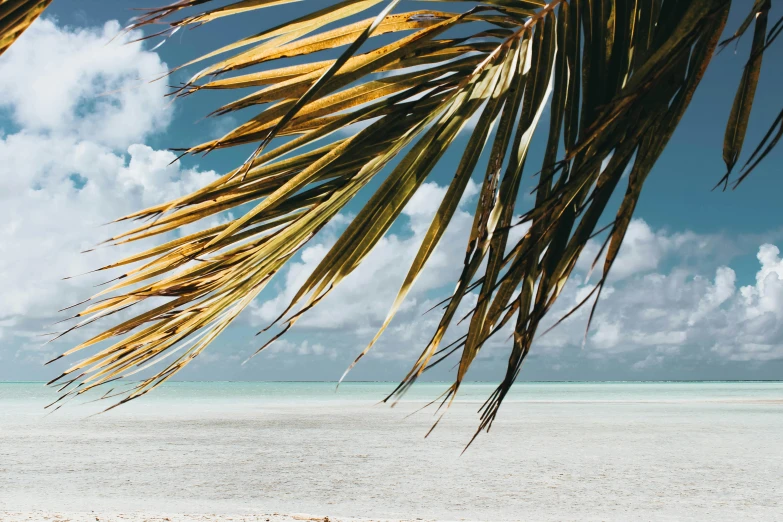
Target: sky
<point x="697" y="292"/>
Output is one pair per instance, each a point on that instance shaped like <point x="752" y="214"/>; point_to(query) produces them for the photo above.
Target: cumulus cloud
<point x="665" y="315"/>
<point x="644" y="249"/>
<point x="300" y="349"/>
<point x="85" y="83"/>
<point x="364" y="298"/>
<point x="52" y="207"/>
<point x="653" y="311"/>
<point x="71" y="159"/>
<point x="753" y="328"/>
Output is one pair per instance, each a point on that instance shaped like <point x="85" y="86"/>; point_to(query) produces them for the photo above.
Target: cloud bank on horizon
<point x="74" y="117"/>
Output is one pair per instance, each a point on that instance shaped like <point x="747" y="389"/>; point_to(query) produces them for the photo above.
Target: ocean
<point x="558" y="451"/>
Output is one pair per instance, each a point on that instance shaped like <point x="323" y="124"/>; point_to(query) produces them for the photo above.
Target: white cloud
<point x="363" y="299"/>
<point x="716" y="295"/>
<point x="75" y="164"/>
<point x="766" y="297"/>
<point x="649" y="314"/>
<point x="754" y="323"/>
<point x="643" y="249"/>
<point x="48" y="215"/>
<point x="671" y="314"/>
<point x="80" y="83"/>
<point x="304" y="348"/>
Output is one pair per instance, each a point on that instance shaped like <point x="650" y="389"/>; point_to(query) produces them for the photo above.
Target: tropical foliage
<point x="611" y="80"/>
<point x="16" y="16"/>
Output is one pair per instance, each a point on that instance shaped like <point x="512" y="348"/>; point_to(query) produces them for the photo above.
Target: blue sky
<point x="696" y="295"/>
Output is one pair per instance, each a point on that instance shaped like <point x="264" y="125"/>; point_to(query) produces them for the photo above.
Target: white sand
<point x="541" y="462"/>
<point x="39" y="516"/>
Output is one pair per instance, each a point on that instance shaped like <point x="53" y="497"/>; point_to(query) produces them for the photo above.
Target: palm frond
<point x="743" y="100"/>
<point x="16" y="16"/>
<point x="610" y="79"/>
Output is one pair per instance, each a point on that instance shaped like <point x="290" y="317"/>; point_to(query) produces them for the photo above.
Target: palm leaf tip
<point x="616" y="77"/>
<point x="16" y="16"/>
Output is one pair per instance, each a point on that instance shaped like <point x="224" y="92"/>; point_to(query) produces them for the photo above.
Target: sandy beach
<point x="10" y="516"/>
<point x="203" y="454"/>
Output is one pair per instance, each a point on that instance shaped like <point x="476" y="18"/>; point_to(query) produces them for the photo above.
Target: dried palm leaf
<point x="16" y="16"/>
<point x="617" y="78"/>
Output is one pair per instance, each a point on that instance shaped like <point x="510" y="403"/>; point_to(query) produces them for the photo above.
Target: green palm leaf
<point x="616" y="78"/>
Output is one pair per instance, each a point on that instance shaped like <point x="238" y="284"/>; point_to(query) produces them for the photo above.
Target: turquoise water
<point x="275" y="392"/>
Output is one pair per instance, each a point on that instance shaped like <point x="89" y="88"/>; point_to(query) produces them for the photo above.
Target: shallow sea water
<point x="558" y="451"/>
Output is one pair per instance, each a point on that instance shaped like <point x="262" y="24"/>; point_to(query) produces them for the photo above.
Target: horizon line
<point x="444" y="382"/>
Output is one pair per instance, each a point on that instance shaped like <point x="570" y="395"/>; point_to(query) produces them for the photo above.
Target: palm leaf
<point x="16" y="16"/>
<point x="616" y="77"/>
